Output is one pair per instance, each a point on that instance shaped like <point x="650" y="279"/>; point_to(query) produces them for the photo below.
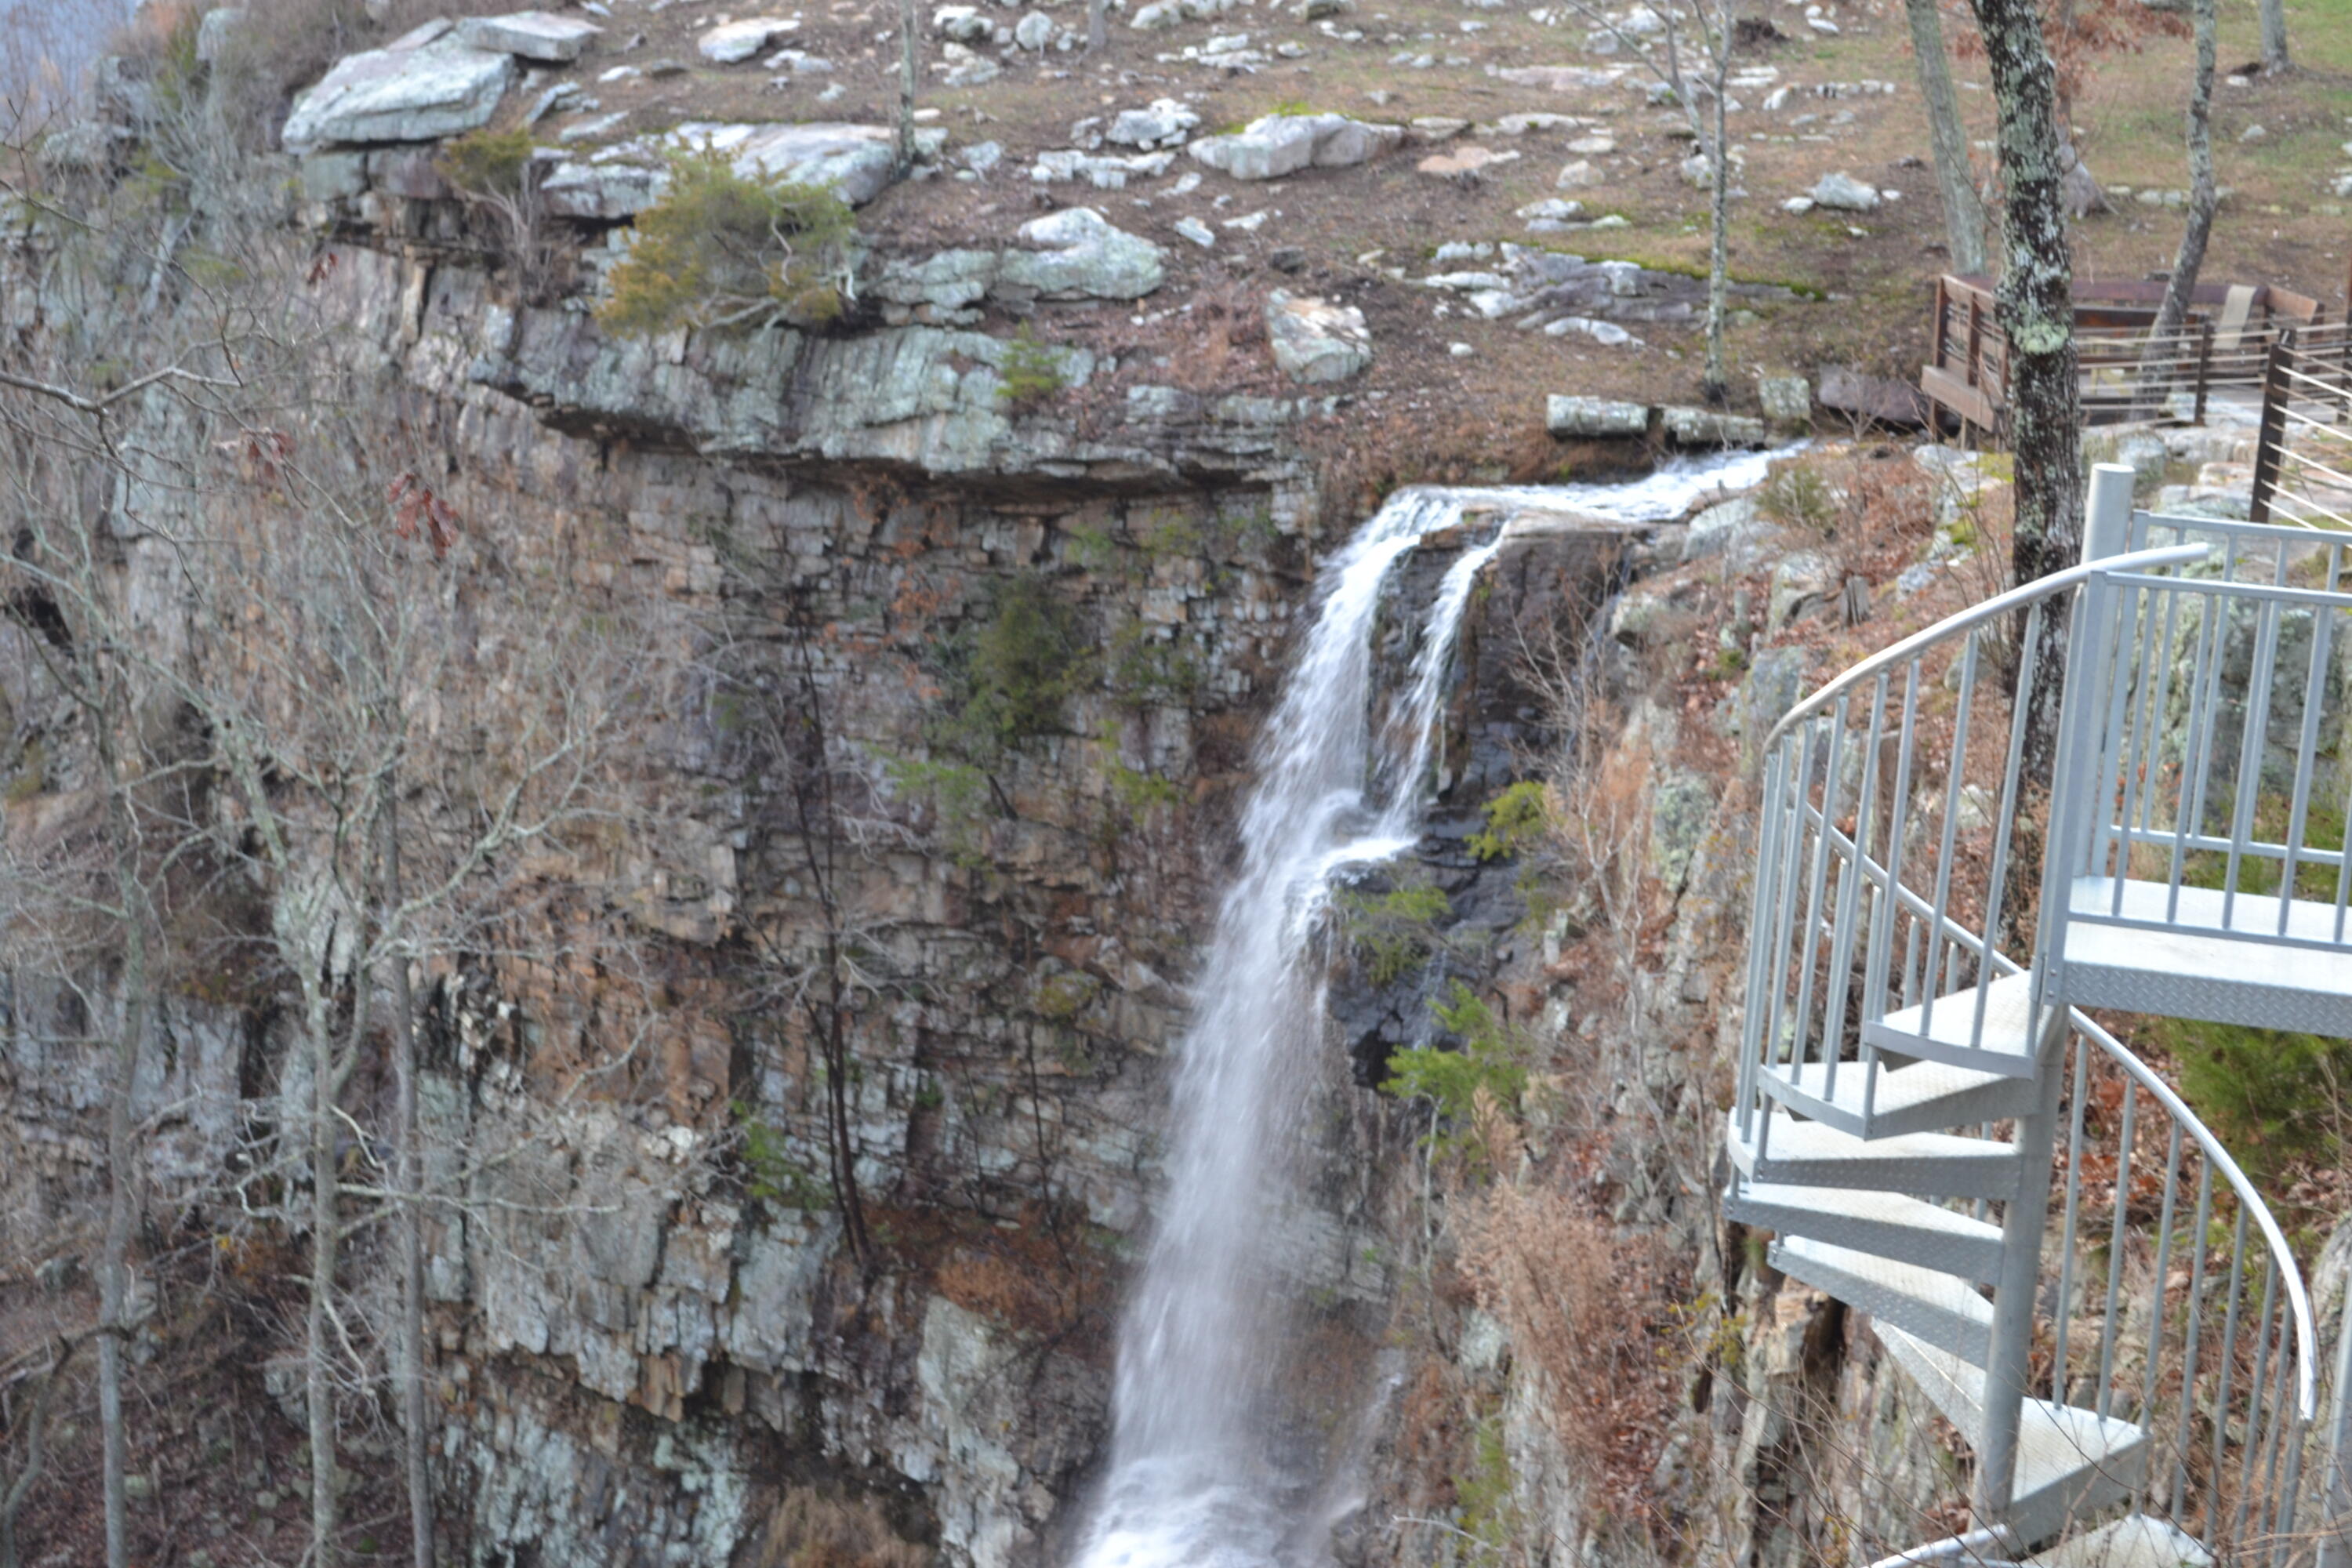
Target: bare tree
<point x="907" y="14"/>
<point x="1690" y="59"/>
<point x="2173" y="313"/>
<point x="1956" y="180"/>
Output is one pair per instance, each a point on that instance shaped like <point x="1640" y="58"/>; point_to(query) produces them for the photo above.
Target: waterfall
<point x="1198" y="1474"/>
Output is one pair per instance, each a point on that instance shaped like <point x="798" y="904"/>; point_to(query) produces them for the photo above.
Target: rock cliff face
<point x="653" y="1344"/>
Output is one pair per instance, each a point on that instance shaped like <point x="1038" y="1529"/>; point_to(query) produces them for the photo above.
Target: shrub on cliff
<point x="723" y="248"/>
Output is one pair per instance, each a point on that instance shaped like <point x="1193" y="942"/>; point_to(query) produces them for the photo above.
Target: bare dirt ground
<point x="1863" y="280"/>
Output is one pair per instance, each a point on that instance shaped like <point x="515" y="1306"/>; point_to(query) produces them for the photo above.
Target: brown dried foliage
<point x="810" y="1529"/>
<point x="1586" y="1304"/>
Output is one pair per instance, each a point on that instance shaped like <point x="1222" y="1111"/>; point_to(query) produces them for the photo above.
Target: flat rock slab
<point x="1595" y="417"/>
<point x="731" y="43"/>
<point x="1285" y="143"/>
<point x="442" y="88"/>
<point x="857" y="160"/>
<point x="1563" y="79"/>
<point x="532" y="35"/>
<point x="1314" y="340"/>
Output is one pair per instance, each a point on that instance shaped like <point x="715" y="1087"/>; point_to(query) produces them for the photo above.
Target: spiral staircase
<point x="2065" y="1260"/>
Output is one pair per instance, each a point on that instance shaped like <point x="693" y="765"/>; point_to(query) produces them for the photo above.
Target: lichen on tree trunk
<point x="2036" y="310"/>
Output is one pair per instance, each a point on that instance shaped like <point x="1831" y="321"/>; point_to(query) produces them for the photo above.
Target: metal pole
<point x="2106" y="531"/>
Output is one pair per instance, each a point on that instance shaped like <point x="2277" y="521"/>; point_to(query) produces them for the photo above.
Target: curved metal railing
<point x="2161" y="1292"/>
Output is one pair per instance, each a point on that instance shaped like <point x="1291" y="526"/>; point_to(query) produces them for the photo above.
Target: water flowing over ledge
<point x="1198" y="1474"/>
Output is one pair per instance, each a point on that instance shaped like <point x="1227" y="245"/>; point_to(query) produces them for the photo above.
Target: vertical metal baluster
<point x="2195" y="766"/>
<point x="2220" y="1418"/>
<point x="2114" y="635"/>
<point x="2155" y="1299"/>
<point x="2005" y="821"/>
<point x="1849" y="894"/>
<point x="1952" y="781"/>
<point x="2139" y="756"/>
<point x="1914" y="960"/>
<point x="2115" y="1248"/>
<point x="2281" y="1420"/>
<point x="2250" y="751"/>
<point x="1783" y="928"/>
<point x="1889" y="912"/>
<point x="1752" y="1027"/>
<point x="2291" y="1439"/>
<point x="2253" y="1444"/>
<point x="2074" y="1206"/>
<point x="2189" y="1339"/>
<point x="2306" y="752"/>
<point x="1814" y="893"/>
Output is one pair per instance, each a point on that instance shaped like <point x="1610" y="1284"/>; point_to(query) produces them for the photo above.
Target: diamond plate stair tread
<point x="1935" y="1307"/>
<point x="1931" y="1165"/>
<point x="1886" y="1224"/>
<point x="2006" y="1046"/>
<point x="1923" y="1097"/>
<point x="2249" y="914"/>
<point x="2139" y="1541"/>
<point x="2205" y="974"/>
<point x="2069" y="1460"/>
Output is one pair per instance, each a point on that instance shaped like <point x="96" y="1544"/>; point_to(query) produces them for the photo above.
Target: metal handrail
<point x="1993" y="609"/>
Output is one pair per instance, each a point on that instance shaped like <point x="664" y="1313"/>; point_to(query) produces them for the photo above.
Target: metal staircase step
<point x="2069" y="1461"/>
<point x="2200" y="966"/>
<point x="2139" y="1541"/>
<point x="1925" y="1096"/>
<point x="1929" y="1165"/>
<point x="1938" y="1308"/>
<point x="1946" y="1030"/>
<point x="1887" y="1225"/>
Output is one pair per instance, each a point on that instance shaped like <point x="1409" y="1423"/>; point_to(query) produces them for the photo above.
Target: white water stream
<point x="1198" y="1476"/>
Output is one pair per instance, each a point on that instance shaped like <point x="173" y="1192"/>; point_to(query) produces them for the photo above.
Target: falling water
<point x="1198" y="1476"/>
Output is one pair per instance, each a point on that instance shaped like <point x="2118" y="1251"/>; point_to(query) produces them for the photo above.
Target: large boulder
<point x="1285" y="143"/>
<point x="1840" y="192"/>
<point x="731" y="43"/>
<point x="1165" y="124"/>
<point x="857" y="160"/>
<point x="1708" y="427"/>
<point x="1076" y="254"/>
<point x="1314" y="340"/>
<point x="423" y="94"/>
<point x="532" y="35"/>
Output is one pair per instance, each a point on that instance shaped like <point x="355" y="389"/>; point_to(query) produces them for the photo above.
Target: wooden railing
<point x="2127" y="373"/>
<point x="2303" y="459"/>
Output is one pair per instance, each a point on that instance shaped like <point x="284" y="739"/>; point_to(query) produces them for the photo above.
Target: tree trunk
<point x="121" y="1154"/>
<point x="2036" y="312"/>
<point x="409" y="1177"/>
<point x="1964" y="211"/>
<point x="1714" y="382"/>
<point x="1095" y="29"/>
<point x="906" y="15"/>
<point x="2172" y="313"/>
<point x="2274" y="58"/>
<point x="319" y="1342"/>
